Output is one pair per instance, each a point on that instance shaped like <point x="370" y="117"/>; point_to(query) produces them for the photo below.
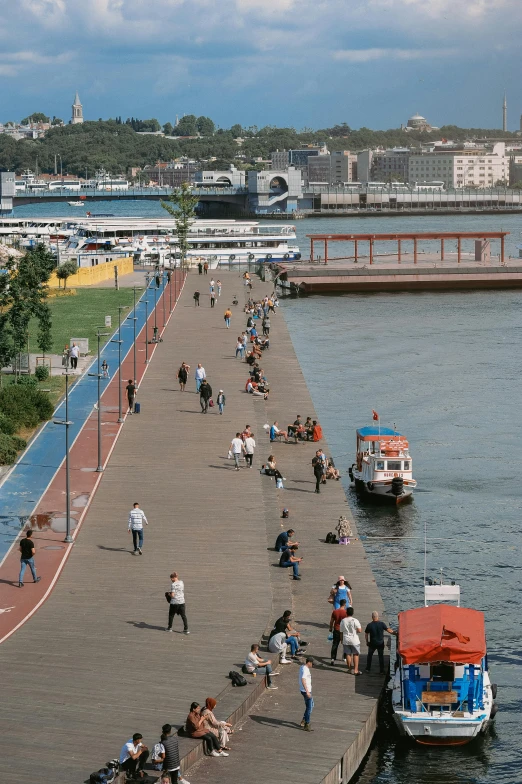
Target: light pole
<point x="119" y="342"/>
<point x="146" y="301"/>
<point x="155" y="340"/>
<point x="169" y="281"/>
<point x="134" y="349"/>
<point x="163" y="298"/>
<point x="98" y="375"/>
<point x="66" y="423"/>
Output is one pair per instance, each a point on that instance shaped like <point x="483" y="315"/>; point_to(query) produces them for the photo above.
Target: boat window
<point x="379" y="465"/>
<point x="406" y="465"/>
<point x="394" y="465"/>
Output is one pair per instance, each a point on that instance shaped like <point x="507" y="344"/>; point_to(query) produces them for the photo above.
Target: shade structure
<point x="442" y="632"/>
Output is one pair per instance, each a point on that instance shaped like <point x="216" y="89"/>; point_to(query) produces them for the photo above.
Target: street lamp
<point x="146" y="301"/>
<point x="169" y="281"/>
<point x="134" y="319"/>
<point x="163" y="297"/>
<point x="66" y="423"/>
<point x="98" y="375"/>
<point x="119" y="342"/>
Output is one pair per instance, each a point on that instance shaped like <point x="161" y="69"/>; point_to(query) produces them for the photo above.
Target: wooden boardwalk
<point x="95" y="665"/>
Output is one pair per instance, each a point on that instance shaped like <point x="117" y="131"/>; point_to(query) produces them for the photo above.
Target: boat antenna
<point x="425" y="548"/>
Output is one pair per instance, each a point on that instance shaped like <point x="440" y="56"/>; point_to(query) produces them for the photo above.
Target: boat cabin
<point x="382" y="453"/>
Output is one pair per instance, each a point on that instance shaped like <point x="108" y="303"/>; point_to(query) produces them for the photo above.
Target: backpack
<point x="236" y="678"/>
<point x="102" y="776"/>
<point x="331" y="538"/>
<point x="168" y="597"/>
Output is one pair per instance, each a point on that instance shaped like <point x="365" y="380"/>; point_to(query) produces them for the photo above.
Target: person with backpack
<point x="177" y="602"/>
<point x="133" y="756"/>
<point x="136" y="520"/>
<point x="255" y="665"/>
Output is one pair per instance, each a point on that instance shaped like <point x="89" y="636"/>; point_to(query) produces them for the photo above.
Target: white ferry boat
<point x="441" y="693"/>
<point x="35" y="228"/>
<point x="220" y="243"/>
<point x="383" y="465"/>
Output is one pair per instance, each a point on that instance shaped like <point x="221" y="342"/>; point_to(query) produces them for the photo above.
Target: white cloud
<point x="367" y="55"/>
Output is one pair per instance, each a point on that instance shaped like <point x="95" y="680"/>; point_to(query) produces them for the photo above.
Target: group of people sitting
<point x="257" y="383"/>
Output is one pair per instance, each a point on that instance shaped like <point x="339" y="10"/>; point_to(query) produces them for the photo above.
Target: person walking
<point x="177" y="602"/>
<point x="250" y="446"/>
<point x="205" y="268"/>
<point x="205" y="393"/>
<point x="341" y="590"/>
<point x="350" y="629"/>
<point x="266" y="326"/>
<point x="374" y="634"/>
<point x="237" y="448"/>
<point x="240" y="347"/>
<point x="318" y="467"/>
<point x="218" y="286"/>
<point x="196" y="296"/>
<point x="74" y="353"/>
<point x="305" y="687"/>
<point x="183" y="376"/>
<point x="136" y="520"/>
<point x="131" y="394"/>
<point x="105" y="369"/>
<point x="27" y="551"/>
<point x="200" y="268"/>
<point x="199" y="375"/>
<point x="211" y="285"/>
<point x="221" y="400"/>
<point x="335" y="629"/>
<point x="227" y="317"/>
<point x="212" y="298"/>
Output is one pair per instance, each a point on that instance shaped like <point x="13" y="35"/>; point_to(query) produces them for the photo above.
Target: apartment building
<point x="332" y="169"/>
<point x="469" y="167"/>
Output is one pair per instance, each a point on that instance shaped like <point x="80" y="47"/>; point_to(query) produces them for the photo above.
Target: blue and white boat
<point x="383" y="465"/>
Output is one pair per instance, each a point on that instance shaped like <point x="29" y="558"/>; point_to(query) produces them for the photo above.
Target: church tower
<point x="77" y="110"/>
<point x="504" y="114"/>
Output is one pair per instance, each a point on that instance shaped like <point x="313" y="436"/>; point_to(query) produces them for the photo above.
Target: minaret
<point x="504" y="113"/>
<point x="77" y="110"/>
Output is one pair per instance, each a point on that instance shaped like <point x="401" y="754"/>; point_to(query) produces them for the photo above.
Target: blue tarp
<point x="374" y="430"/>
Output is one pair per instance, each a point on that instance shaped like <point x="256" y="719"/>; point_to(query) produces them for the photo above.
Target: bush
<point x="41" y="373"/>
<point x="7" y="450"/>
<point x="18" y="443"/>
<point x="7" y="426"/>
<point x="26" y="381"/>
<point x="25" y="405"/>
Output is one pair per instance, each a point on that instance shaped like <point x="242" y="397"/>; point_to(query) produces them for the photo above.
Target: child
<point x="105" y="369"/>
<point x="221" y="400"/>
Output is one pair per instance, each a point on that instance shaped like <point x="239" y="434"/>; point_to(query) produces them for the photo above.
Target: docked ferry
<point x="441" y="693"/>
<point x="383" y="465"/>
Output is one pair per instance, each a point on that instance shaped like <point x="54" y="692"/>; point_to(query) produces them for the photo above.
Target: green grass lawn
<point x="79" y="316"/>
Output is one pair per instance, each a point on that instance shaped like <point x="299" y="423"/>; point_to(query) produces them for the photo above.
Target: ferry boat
<point x="76" y="203"/>
<point x="441" y="693"/>
<point x="383" y="465"/>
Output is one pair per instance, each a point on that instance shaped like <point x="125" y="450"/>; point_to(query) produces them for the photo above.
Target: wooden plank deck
<point x="95" y="665"/>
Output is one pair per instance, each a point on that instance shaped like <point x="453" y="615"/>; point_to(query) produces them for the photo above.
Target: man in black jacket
<point x="205" y="393"/>
<point x="171" y="762"/>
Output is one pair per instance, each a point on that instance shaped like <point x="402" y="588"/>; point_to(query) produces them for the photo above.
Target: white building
<point x="461" y="168"/>
<point x="77" y="110"/>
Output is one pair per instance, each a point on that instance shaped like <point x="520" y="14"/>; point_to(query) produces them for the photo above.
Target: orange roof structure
<point x="442" y="632"/>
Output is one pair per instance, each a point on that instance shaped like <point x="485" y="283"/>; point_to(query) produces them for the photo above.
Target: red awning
<point x="442" y="632"/>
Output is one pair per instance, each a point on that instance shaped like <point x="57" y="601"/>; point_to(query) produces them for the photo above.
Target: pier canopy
<point x="482" y="242"/>
<point x="441" y="632"/>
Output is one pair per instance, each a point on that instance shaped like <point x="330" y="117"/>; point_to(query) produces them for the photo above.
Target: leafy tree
<point x="168" y="128"/>
<point x="236" y="130"/>
<point x="187" y="126"/>
<point x="57" y="121"/>
<point x="183" y="214"/>
<point x="205" y="126"/>
<point x="36" y="117"/>
<point x="65" y="270"/>
<point x="44" y="338"/>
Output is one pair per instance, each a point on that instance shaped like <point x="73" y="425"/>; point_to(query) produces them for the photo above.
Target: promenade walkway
<point x="94" y="664"/>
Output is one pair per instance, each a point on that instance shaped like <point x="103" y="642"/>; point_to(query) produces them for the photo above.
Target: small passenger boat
<point x="76" y="203"/>
<point x="383" y="467"/>
<point x="441" y="692"/>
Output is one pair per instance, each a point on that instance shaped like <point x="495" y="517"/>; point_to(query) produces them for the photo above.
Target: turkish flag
<point x="447" y="634"/>
<point x="375" y="415"/>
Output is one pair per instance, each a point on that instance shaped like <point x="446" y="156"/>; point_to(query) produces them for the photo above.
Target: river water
<point x="445" y="369"/>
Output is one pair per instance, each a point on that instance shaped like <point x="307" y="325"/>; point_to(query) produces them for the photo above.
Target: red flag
<point x="447" y="634"/>
<point x="375" y="415"/>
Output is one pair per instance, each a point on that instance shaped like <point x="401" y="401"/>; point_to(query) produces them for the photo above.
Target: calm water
<point x="445" y="369"/>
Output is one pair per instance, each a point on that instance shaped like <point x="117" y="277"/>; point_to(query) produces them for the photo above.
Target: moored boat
<point x="441" y="691"/>
<point x="383" y="465"/>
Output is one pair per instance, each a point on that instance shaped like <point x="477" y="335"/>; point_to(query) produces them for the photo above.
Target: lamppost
<point x="119" y="342"/>
<point x="98" y="375"/>
<point x="66" y="423"/>
<point x="134" y="319"/>
<point x="169" y="280"/>
<point x="163" y="297"/>
<point x="146" y="301"/>
<point x="155" y="308"/>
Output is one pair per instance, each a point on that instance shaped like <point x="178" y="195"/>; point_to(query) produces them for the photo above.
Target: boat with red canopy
<point x="383" y="464"/>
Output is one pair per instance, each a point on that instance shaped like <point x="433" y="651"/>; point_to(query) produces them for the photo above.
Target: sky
<point x="301" y="63"/>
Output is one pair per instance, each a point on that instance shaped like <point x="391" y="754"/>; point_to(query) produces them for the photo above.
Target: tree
<point x="205" y="126"/>
<point x="168" y="129"/>
<point x="44" y="338"/>
<point x="187" y="126"/>
<point x="36" y="117"/>
<point x="236" y="130"/>
<point x="183" y="213"/>
<point x="65" y="270"/>
<point x="57" y="121"/>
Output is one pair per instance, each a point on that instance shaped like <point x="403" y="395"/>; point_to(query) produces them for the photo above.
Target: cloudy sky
<point x="279" y="62"/>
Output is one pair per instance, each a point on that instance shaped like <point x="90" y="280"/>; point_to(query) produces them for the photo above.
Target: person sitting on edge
<point x="278" y="644"/>
<point x="292" y="428"/>
<point x="283" y="624"/>
<point x="133" y="756"/>
<point x="196" y="727"/>
<point x="289" y="559"/>
<point x="271" y="470"/>
<point x="275" y="433"/>
<point x="317" y="431"/>
<point x="308" y="427"/>
<point x="331" y="471"/>
<point x="255" y="665"/>
<point x="283" y="540"/>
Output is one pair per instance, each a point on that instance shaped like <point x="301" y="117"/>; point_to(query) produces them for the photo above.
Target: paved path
<point x="94" y="664"/>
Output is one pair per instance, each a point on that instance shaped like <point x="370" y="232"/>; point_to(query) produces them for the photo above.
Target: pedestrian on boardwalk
<point x="136" y="520"/>
<point x="255" y="665"/>
<point x="250" y="446"/>
<point x="227" y="317"/>
<point x="105" y="369"/>
<point x="171" y="760"/>
<point x="200" y="268"/>
<point x="350" y="629"/>
<point x="205" y="267"/>
<point x="27" y="550"/>
<point x="131" y="394"/>
<point x="240" y="347"/>
<point x="374" y="634"/>
<point x="219" y="286"/>
<point x="221" y="401"/>
<point x="199" y="375"/>
<point x="212" y="298"/>
<point x="237" y="448"/>
<point x="133" y="756"/>
<point x="205" y="393"/>
<point x="196" y="298"/>
<point x="335" y="629"/>
<point x="177" y="602"/>
<point x="212" y="284"/>
<point x="318" y="464"/>
<point x="266" y="326"/>
<point x="183" y="376"/>
<point x="74" y="353"/>
<point x="341" y="590"/>
<point x="305" y="687"/>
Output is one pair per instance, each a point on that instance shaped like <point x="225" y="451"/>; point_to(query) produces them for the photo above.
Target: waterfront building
<point x="282" y="159"/>
<point x="390" y="165"/>
<point x="515" y="169"/>
<point x="274" y="191"/>
<point x="461" y="167"/>
<point x="231" y="177"/>
<point x="332" y="169"/>
<point x="171" y="174"/>
<point x="77" y="111"/>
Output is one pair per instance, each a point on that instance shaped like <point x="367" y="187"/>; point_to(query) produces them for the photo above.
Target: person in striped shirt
<point x="136" y="520"/>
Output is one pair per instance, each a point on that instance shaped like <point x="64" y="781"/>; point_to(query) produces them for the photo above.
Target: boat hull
<point x="429" y="731"/>
<point x="381" y="493"/>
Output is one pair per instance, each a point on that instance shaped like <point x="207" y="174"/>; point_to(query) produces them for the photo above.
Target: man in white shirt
<point x="277" y="644"/>
<point x="74" y="353"/>
<point x="177" y="602"/>
<point x="134" y="755"/>
<point x="254" y="664"/>
<point x="350" y="629"/>
<point x="250" y="445"/>
<point x="305" y="687"/>
<point x="136" y="520"/>
<point x="199" y="375"/>
<point x="237" y="448"/>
